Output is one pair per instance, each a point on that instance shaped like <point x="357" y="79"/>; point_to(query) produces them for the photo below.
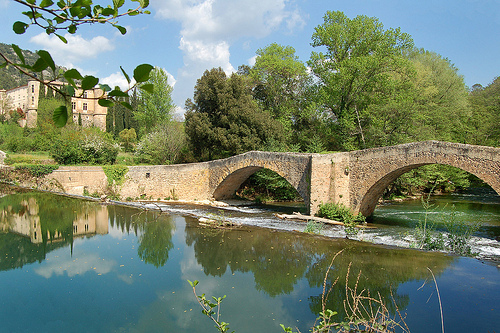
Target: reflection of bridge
<point x="355" y="178"/>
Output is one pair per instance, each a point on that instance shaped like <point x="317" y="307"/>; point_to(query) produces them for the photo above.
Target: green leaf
<point x="117" y="93"/>
<point x="72" y="29"/>
<point x="89" y="82"/>
<point x="60" y="116"/>
<point x="105" y="102"/>
<point x="118" y="3"/>
<point x="73" y="74"/>
<point x="127" y="105"/>
<point x="122" y="30"/>
<point x="125" y="74"/>
<point x="144" y="3"/>
<point x="109" y="12"/>
<point x="3" y="65"/>
<point x="46" y="3"/>
<point x="39" y="65"/>
<point x="64" y="40"/>
<point x="104" y="87"/>
<point x="148" y="87"/>
<point x="19" y="53"/>
<point x="141" y="72"/>
<point x="19" y="27"/>
<point x="47" y="58"/>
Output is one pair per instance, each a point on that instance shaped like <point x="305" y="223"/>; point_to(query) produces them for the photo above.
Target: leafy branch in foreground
<point x="208" y="306"/>
<point x="68" y="15"/>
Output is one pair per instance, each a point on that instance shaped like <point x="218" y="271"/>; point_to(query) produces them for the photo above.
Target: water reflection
<point x="140" y="262"/>
<point x="278" y="260"/>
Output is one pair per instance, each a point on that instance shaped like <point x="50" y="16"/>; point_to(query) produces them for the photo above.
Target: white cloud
<point x="76" y="50"/>
<point x="252" y="60"/>
<point x="210" y="27"/>
<point x="117" y="79"/>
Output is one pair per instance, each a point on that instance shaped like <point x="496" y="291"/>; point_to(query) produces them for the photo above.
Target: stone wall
<point x="356" y="179"/>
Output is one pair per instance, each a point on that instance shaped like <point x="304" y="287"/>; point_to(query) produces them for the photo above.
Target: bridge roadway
<point x="356" y="178"/>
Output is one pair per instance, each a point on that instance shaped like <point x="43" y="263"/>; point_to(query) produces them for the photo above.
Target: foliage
<point x="155" y="107"/>
<point x="267" y="185"/>
<point x="439" y="178"/>
<point x="69" y="16"/>
<point x="223" y="120"/>
<point x="360" y="62"/>
<point x="313" y="227"/>
<point x="84" y="146"/>
<point x="128" y="137"/>
<point x="162" y="146"/>
<point x="207" y="308"/>
<point x="340" y="212"/>
<point x="456" y="236"/>
<point x="115" y="173"/>
<point x="36" y="170"/>
<point x="364" y="312"/>
<point x="485" y="117"/>
<point x="459" y="234"/>
<point x="280" y="86"/>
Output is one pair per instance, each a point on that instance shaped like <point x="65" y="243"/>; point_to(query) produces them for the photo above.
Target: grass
<point x="30" y="158"/>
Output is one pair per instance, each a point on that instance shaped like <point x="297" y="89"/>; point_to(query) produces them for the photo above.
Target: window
<point x="33" y="88"/>
<point x="84" y="94"/>
<point x="84" y="106"/>
<point x="73" y="105"/>
<point x="33" y="100"/>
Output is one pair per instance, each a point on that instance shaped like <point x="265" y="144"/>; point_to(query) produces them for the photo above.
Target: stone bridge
<point x="356" y="178"/>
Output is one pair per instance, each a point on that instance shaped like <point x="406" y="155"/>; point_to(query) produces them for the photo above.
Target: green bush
<point x="341" y="213"/>
<point x="84" y="146"/>
<point x="36" y="170"/>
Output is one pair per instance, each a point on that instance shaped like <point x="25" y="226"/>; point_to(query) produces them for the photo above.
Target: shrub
<point x="340" y="212"/>
<point x="36" y="170"/>
<point x="84" y="146"/>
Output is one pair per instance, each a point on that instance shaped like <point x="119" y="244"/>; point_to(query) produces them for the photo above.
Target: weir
<point x="356" y="179"/>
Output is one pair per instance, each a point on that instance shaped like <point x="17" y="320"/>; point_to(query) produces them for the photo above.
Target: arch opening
<point x="256" y="183"/>
<point x="371" y="198"/>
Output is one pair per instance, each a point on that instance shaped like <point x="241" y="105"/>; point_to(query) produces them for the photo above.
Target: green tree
<point x="128" y="137"/>
<point x="155" y="107"/>
<point x="224" y="120"/>
<point x="360" y="62"/>
<point x="162" y="146"/>
<point x="485" y="114"/>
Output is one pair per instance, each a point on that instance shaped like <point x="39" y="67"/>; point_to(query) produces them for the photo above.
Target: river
<point x="77" y="266"/>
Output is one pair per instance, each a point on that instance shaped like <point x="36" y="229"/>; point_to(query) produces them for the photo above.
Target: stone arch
<point x="228" y="187"/>
<point x="230" y="173"/>
<point x="374" y="169"/>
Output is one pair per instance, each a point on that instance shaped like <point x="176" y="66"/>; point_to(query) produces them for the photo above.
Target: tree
<point x="224" y="120"/>
<point x="156" y="106"/>
<point x="68" y="16"/>
<point x="128" y="137"/>
<point x="162" y="146"/>
<point x="485" y="114"/>
<point x="360" y="62"/>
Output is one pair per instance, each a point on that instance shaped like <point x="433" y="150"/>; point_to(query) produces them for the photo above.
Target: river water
<point x="77" y="266"/>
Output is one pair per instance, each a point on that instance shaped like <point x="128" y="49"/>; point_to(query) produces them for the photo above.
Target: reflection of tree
<point x="156" y="242"/>
<point x="279" y="259"/>
<point x="46" y="218"/>
<point x="276" y="261"/>
<point x="381" y="271"/>
<point x="153" y="229"/>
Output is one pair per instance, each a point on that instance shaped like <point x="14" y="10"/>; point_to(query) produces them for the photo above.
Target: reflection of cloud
<point x="73" y="267"/>
<point x="125" y="278"/>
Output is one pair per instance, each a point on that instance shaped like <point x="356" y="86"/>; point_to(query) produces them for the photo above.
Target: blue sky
<point x="187" y="37"/>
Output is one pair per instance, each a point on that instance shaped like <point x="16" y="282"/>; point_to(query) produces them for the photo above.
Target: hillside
<point x="11" y="77"/>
